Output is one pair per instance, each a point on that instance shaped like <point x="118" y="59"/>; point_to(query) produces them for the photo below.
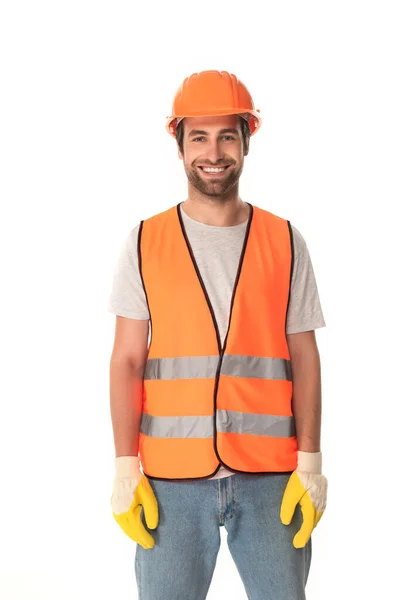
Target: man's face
<point x="213" y="142"/>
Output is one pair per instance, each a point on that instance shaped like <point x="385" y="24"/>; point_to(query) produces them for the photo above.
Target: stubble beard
<point x="214" y="189"/>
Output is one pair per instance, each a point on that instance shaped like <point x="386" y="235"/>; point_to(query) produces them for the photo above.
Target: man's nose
<point x="214" y="152"/>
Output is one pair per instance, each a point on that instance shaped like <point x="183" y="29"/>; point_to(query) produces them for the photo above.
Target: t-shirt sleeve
<point x="304" y="312"/>
<point x="127" y="298"/>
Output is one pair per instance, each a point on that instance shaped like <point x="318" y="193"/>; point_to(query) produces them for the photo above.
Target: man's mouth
<point x="213" y="171"/>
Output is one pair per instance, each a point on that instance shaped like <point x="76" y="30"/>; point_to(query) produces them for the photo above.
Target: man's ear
<point x="180" y="154"/>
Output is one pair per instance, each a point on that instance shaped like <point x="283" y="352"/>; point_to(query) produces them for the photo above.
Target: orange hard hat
<point x="213" y="93"/>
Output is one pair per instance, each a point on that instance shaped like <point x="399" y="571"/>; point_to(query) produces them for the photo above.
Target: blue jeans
<point x="187" y="539"/>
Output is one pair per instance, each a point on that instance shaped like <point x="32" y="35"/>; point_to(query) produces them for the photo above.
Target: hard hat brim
<point x="217" y="113"/>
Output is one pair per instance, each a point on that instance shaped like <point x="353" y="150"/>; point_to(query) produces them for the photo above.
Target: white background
<point x="85" y="89"/>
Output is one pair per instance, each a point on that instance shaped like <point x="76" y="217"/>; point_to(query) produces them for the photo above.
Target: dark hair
<point x="244" y="126"/>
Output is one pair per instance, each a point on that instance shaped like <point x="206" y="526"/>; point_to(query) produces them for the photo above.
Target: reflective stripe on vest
<point x="202" y="367"/>
<point x="228" y="421"/>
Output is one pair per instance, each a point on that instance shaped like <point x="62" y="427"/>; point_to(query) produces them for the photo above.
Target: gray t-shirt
<point x="217" y="253"/>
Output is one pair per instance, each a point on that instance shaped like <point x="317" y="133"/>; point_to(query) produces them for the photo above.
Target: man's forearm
<point x="126" y="388"/>
<point x="306" y="403"/>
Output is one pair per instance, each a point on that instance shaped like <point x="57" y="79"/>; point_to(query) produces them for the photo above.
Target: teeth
<point x="213" y="169"/>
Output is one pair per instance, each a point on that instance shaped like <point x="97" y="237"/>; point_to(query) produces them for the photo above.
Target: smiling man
<point x="217" y="421"/>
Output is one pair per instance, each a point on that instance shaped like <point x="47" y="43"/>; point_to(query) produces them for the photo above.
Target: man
<point x="224" y="406"/>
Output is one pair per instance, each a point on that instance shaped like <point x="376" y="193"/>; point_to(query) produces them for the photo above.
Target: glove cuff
<point x="127" y="466"/>
<point x="309" y="462"/>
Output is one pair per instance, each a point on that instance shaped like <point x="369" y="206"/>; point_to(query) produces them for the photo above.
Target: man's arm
<point x="128" y="359"/>
<point x="306" y="403"/>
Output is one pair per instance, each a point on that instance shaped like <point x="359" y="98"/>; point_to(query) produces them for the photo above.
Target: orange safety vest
<point x="206" y="400"/>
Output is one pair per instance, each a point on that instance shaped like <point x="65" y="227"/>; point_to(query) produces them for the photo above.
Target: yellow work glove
<point x="132" y="490"/>
<point x="308" y="487"/>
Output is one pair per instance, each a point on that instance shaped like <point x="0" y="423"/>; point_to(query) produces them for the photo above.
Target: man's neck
<point x="220" y="212"/>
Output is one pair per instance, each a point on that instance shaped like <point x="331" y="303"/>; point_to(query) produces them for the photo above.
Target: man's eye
<point x="201" y="137"/>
